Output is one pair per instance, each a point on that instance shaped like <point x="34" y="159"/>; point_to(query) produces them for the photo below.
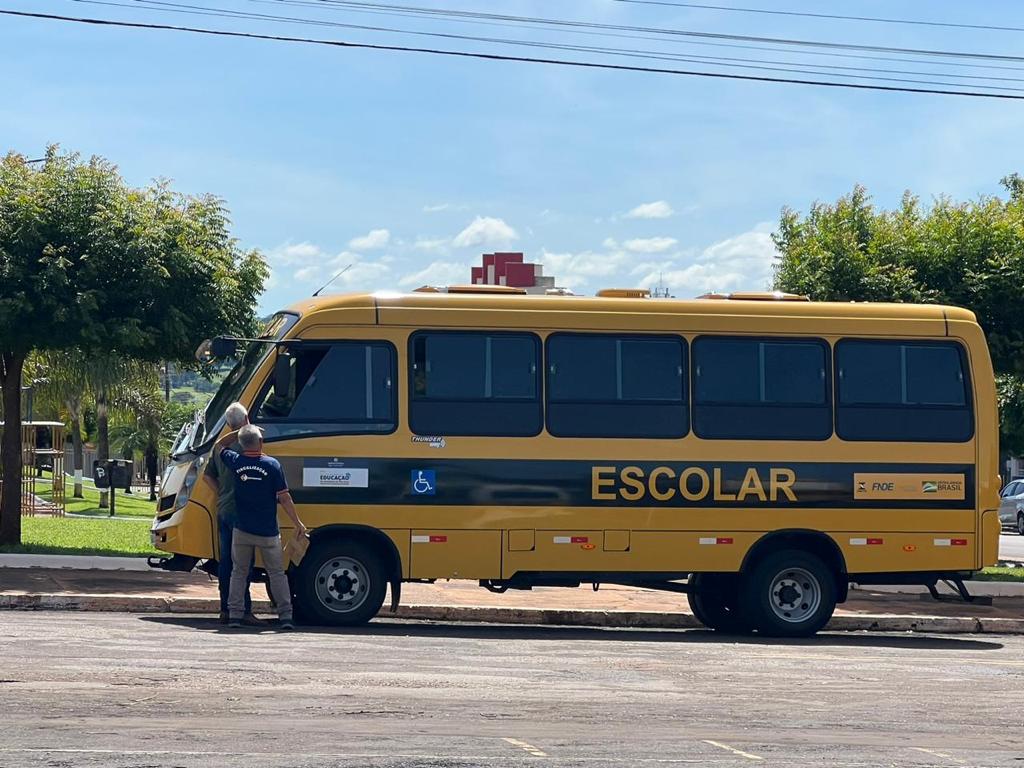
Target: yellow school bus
<point x="757" y="452"/>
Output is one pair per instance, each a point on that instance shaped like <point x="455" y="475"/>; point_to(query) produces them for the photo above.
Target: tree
<point x="88" y="262"/>
<point x="966" y="254"/>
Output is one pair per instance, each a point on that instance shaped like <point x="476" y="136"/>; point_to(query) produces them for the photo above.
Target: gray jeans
<point x="243" y="545"/>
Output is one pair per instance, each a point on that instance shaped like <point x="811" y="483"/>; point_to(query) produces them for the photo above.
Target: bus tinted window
<point x="913" y="391"/>
<point x="768" y="389"/>
<point x="474" y="384"/>
<point x="335" y="388"/>
<point x="616" y="386"/>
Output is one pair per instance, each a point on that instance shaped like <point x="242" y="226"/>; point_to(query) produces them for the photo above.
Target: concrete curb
<point x="976" y="588"/>
<point x="77" y="562"/>
<point x="494" y="615"/>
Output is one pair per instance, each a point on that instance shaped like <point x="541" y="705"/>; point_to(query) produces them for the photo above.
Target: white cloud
<point x="444" y="207"/>
<point x="485" y="230"/>
<point x="743" y="262"/>
<point x="309" y="265"/>
<point x="374" y="239"/>
<point x="575" y="270"/>
<point x="294" y="253"/>
<point x="659" y="209"/>
<point x="438" y="244"/>
<point x="438" y="273"/>
<point x="649" y="244"/>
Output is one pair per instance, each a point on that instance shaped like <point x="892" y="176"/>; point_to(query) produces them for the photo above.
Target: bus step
<point x="180" y="563"/>
<point x="954" y="583"/>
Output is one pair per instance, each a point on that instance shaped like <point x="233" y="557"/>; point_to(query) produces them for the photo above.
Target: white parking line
<point x="526" y="747"/>
<point x="735" y="751"/>
<point x="936" y="753"/>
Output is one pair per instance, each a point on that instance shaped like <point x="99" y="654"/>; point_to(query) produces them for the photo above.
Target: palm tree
<point x="67" y="386"/>
<point x="111" y="381"/>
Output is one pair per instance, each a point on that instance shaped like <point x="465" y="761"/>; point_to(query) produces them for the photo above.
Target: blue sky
<point x="409" y="166"/>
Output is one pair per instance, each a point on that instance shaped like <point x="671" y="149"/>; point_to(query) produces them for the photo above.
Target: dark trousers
<point x="225" y="564"/>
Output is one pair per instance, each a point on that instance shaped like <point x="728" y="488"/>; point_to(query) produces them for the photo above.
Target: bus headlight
<point x="186" y="487"/>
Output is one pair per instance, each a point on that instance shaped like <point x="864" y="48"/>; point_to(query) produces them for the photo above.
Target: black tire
<point x="1020" y="523"/>
<point x="789" y="593"/>
<point x="714" y="600"/>
<point x="340" y="583"/>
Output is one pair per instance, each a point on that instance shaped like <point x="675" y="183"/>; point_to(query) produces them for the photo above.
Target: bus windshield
<point x="234" y="383"/>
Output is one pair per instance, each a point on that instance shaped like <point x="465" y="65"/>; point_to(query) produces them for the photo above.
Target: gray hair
<point x="236" y="415"/>
<point x="250" y="437"/>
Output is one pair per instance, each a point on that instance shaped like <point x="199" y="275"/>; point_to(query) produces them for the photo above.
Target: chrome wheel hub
<point x="795" y="595"/>
<point x="342" y="584"/>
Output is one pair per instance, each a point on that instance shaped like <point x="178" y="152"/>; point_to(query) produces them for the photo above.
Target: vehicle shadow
<point x="471" y="631"/>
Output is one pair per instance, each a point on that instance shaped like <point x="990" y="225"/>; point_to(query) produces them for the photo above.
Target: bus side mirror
<point x="223" y="346"/>
<point x="282" y="373"/>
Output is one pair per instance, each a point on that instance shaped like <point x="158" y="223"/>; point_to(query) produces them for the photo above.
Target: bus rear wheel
<point x="714" y="600"/>
<point x="340" y="583"/>
<point x="789" y="593"/>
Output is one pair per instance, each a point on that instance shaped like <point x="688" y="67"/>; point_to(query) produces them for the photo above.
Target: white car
<point x="1011" y="506"/>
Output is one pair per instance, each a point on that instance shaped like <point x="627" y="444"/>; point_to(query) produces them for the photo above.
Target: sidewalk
<point x="157" y="591"/>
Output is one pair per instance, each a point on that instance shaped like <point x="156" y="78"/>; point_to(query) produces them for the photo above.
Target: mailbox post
<point x="112" y="474"/>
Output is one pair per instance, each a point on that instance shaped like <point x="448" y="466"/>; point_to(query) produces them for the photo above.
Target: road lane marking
<point x="735" y="751"/>
<point x="526" y="747"/>
<point x="936" y="753"/>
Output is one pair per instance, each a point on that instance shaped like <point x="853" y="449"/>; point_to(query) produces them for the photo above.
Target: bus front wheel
<point x="789" y="593"/>
<point x="714" y="600"/>
<point x="340" y="583"/>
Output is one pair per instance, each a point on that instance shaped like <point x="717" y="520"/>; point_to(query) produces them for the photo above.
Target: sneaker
<point x="287" y="625"/>
<point x="223" y="617"/>
<point x="251" y="621"/>
<point x="235" y="624"/>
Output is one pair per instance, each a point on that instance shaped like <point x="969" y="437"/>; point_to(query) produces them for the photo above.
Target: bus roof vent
<point x="500" y="289"/>
<point x="486" y="289"/>
<point x="624" y="293"/>
<point x="756" y="296"/>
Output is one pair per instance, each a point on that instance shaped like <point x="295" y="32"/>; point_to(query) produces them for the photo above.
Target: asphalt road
<point x="162" y="692"/>
<point x="1011" y="547"/>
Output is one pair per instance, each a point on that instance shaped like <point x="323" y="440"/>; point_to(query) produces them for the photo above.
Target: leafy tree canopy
<point x="968" y="254"/>
<point x="86" y="261"/>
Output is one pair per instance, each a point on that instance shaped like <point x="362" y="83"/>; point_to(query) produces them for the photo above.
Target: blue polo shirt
<point x="258" y="481"/>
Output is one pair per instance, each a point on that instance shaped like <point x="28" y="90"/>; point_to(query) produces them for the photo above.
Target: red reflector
<point x="438" y="539"/>
<point x="723" y="540"/>
<point x="958" y="542"/>
<point x="874" y="541"/>
<point x="579" y="539"/>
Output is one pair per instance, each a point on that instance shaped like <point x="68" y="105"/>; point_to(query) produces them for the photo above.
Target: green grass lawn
<point x="1001" y="574"/>
<point x="134" y="505"/>
<point x="77" y="536"/>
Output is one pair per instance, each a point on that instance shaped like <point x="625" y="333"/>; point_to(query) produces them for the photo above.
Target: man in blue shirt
<point x="222" y="480"/>
<point x="259" y="487"/>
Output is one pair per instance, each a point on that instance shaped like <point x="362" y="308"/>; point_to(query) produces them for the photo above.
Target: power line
<point x="718" y="61"/>
<point x="500" y="57"/>
<point x="831" y="54"/>
<point x="805" y="14"/>
<point x="535" y="20"/>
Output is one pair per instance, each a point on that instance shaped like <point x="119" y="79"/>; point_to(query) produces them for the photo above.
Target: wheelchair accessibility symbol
<point x="423" y="482"/>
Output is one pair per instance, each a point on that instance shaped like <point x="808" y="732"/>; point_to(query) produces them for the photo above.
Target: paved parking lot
<point x="1011" y="547"/>
<point x="162" y="691"/>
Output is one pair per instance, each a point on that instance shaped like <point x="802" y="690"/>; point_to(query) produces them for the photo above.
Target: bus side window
<point x="339" y="388"/>
<point x="903" y="391"/>
<point x="474" y="383"/>
<point x="630" y="386"/>
<point x="761" y="389"/>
